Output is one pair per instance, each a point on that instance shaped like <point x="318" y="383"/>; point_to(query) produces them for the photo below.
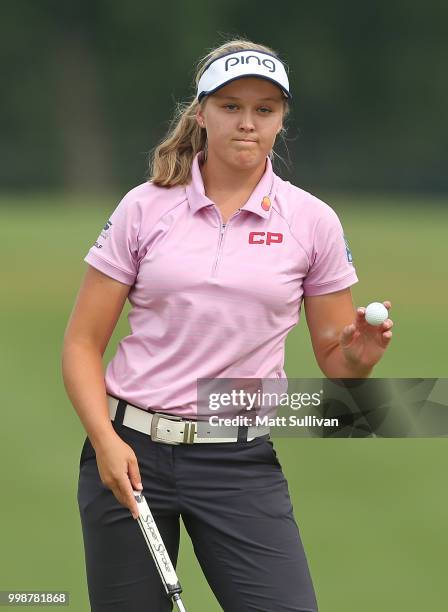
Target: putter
<point x="158" y="551"/>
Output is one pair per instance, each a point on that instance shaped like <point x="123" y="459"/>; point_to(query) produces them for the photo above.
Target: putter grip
<point x="156" y="546"/>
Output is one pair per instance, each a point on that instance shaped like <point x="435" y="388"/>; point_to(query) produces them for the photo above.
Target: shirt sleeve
<point x="115" y="251"/>
<point x="331" y="266"/>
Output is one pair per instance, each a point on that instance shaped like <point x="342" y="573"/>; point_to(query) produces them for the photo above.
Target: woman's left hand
<point x="363" y="344"/>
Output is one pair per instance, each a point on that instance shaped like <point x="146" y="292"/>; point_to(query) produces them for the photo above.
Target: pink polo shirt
<point x="211" y="300"/>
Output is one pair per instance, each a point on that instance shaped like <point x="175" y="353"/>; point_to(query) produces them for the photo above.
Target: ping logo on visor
<point x="234" y="60"/>
<point x="238" y="64"/>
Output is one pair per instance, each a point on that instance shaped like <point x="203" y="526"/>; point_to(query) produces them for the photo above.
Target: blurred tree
<point x="90" y="87"/>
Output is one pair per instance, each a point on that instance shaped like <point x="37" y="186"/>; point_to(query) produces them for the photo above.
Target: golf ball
<point x="376" y="313"/>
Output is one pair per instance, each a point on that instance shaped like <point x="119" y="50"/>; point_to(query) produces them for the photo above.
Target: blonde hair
<point x="171" y="160"/>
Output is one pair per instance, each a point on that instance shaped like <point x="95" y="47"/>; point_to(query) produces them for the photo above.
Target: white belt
<point x="173" y="429"/>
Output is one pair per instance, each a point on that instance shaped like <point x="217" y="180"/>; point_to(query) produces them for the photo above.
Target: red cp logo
<point x="259" y="238"/>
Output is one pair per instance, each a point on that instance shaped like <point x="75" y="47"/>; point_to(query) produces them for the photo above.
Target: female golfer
<point x="215" y="254"/>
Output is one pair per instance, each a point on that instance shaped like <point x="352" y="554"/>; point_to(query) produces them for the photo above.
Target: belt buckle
<point x="156" y="416"/>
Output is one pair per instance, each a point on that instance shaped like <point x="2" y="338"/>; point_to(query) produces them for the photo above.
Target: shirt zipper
<point x="222" y="229"/>
<point x="220" y="241"/>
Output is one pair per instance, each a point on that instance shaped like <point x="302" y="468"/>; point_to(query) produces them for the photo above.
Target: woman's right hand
<point x="119" y="471"/>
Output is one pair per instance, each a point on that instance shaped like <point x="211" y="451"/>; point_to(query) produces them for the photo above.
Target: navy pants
<point x="234" y="502"/>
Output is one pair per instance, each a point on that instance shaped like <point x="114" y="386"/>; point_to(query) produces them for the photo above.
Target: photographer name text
<point x="272" y="421"/>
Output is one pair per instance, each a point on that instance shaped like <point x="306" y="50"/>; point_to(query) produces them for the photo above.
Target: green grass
<point x="372" y="513"/>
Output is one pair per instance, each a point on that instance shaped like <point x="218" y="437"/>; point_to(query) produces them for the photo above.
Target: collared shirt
<point x="213" y="300"/>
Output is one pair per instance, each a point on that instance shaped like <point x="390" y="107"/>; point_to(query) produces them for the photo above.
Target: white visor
<point x="239" y="64"/>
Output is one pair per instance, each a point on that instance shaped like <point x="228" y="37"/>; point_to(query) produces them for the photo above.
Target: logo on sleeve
<point x="103" y="234"/>
<point x="347" y="250"/>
